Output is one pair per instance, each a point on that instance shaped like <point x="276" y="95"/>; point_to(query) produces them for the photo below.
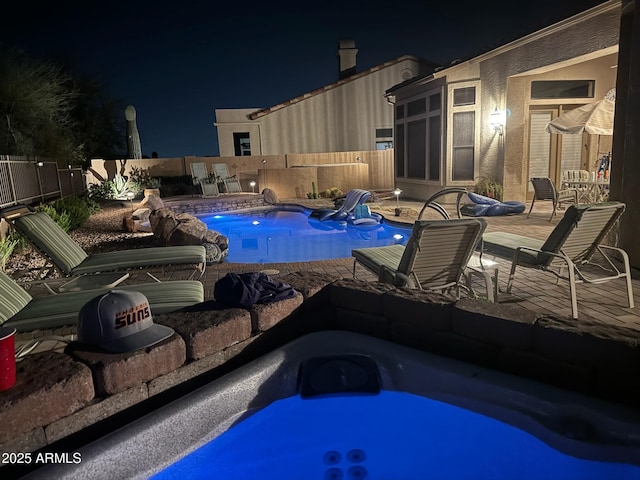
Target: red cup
<point x="7" y="358"/>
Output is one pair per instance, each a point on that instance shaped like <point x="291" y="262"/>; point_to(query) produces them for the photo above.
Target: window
<point x="434" y="147"/>
<point x="241" y="144"/>
<point x="416" y="149"/>
<point x="399" y="150"/>
<point x="464" y="96"/>
<point x="463" y="135"/>
<point x="542" y="89"/>
<point x="418" y="138"/>
<point x="463" y="145"/>
<point x="416" y="107"/>
<point x="384" y="138"/>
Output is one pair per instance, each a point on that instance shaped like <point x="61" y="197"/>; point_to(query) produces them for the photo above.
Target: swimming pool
<point x="288" y="235"/>
<point x="433" y="417"/>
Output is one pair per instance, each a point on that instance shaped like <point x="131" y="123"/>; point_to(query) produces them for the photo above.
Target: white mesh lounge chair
<point x="69" y="257"/>
<point x="435" y="257"/>
<point x="231" y="182"/>
<point x="200" y="176"/>
<point x="544" y="189"/>
<point x="574" y="245"/>
<point x="21" y="311"/>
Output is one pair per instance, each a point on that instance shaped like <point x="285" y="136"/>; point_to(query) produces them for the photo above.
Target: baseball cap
<point x="120" y="321"/>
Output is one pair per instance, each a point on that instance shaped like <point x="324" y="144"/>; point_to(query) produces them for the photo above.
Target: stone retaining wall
<point x="89" y="385"/>
<point x="222" y="203"/>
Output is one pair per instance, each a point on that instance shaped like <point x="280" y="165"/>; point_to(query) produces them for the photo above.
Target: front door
<point x="551" y="154"/>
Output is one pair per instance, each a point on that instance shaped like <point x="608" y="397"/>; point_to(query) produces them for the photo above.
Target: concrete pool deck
<point x="532" y="290"/>
<point x="602" y="310"/>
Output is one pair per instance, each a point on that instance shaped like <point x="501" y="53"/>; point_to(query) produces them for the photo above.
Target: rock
<point x="270" y="196"/>
<point x="189" y="230"/>
<point x="128" y="224"/>
<point x="185" y="229"/>
<point x="152" y="202"/>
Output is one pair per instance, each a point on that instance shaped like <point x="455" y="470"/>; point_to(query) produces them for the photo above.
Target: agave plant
<point x="122" y="186"/>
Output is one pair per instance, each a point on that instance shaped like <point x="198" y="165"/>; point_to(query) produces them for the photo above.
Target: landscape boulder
<point x="170" y="228"/>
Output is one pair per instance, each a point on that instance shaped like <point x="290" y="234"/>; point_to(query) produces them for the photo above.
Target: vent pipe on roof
<point x="347" y="57"/>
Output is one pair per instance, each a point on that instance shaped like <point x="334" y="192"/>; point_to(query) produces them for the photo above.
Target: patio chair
<point x="69" y="257"/>
<point x="435" y="257"/>
<point x="231" y="182"/>
<point x="573" y="179"/>
<point x="201" y="177"/>
<point x="572" y="245"/>
<point x="544" y="189"/>
<point x="23" y="312"/>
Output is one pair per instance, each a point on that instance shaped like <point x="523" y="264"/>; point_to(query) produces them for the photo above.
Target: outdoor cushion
<point x="71" y="259"/>
<point x="503" y="244"/>
<point x="23" y="312"/>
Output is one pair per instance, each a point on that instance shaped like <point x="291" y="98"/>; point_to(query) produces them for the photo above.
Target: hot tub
<point x="340" y="405"/>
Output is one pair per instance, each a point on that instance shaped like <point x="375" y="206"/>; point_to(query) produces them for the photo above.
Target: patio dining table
<point x="590" y="191"/>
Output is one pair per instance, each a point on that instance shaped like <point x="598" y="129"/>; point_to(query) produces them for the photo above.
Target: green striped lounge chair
<point x="435" y="257"/>
<point x="573" y="251"/>
<point x="25" y="313"/>
<point x="69" y="257"/>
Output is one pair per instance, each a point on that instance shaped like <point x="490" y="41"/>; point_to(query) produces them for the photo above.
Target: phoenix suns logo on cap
<point x="132" y="315"/>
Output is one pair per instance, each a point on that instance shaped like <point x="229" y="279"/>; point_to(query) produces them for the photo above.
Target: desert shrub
<point x="116" y="189"/>
<point x="61" y="218"/>
<point x="143" y="178"/>
<point x="7" y="245"/>
<point x="101" y="191"/>
<point x="79" y="209"/>
<point x="489" y="187"/>
<point x="71" y="212"/>
<point x="177" y="185"/>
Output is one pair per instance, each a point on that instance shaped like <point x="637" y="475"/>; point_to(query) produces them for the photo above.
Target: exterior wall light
<point x="497" y="119"/>
<point x="252" y="184"/>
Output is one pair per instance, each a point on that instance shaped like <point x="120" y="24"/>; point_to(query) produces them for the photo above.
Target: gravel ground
<point x="103" y="232"/>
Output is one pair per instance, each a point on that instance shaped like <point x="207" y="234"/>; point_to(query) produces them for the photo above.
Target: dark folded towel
<point x="246" y="289"/>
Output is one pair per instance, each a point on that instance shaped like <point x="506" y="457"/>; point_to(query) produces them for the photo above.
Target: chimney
<point x="347" y="56"/>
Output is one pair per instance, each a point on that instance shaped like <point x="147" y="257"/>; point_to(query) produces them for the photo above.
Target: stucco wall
<point x="340" y="118"/>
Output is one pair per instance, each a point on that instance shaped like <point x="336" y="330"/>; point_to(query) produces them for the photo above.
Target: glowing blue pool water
<point x="273" y="236"/>
<point x="390" y="436"/>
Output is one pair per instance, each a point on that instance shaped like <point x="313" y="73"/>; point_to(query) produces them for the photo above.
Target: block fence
<point x="59" y="394"/>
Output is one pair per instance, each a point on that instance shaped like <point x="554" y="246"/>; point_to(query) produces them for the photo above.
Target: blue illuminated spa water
<point x="392" y="435"/>
<point x="273" y="236"/>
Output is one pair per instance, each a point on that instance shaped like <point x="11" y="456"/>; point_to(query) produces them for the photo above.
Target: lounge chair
<point x="21" y="311"/>
<point x="200" y="176"/>
<point x="572" y="245"/>
<point x="69" y="257"/>
<point x="231" y="182"/>
<point x="544" y="189"/>
<point x="435" y="257"/>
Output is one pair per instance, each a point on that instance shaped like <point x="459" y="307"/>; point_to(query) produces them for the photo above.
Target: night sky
<point x="177" y="61"/>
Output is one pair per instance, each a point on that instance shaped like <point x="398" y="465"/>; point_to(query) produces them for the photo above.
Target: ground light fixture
<point x="397" y="193"/>
<point x="130" y="196"/>
<point x="252" y="184"/>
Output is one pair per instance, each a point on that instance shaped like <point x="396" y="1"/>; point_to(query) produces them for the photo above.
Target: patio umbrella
<point x="594" y="118"/>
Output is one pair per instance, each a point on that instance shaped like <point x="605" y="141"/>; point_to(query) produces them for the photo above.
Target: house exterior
<point x="487" y="116"/>
<point x="350" y="114"/>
